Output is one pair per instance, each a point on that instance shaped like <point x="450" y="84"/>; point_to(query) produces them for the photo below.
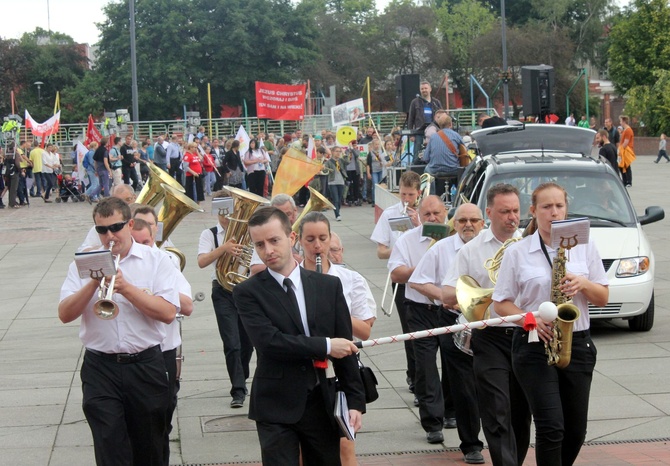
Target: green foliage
<point x="640" y="45"/>
<point x="649" y="103"/>
<point x="50" y="58"/>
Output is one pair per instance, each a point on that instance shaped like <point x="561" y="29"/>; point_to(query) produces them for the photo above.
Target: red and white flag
<point x="43" y="130"/>
<point x="311" y="150"/>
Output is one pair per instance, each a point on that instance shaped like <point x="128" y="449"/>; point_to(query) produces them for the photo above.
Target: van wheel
<point x="643" y="322"/>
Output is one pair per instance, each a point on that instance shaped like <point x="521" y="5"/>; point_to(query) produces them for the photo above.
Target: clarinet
<point x="319" y="267"/>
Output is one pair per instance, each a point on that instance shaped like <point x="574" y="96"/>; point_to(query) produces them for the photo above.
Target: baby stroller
<point x="67" y="189"/>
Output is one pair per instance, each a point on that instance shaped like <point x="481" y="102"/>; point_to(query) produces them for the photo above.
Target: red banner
<point x="280" y="101"/>
<point x="92" y="133"/>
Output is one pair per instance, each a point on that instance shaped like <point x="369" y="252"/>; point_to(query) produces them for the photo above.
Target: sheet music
<point x="95" y="264"/>
<point x="569" y="233"/>
<point x="342" y="415"/>
<point x="401" y="224"/>
<point x="226" y="204"/>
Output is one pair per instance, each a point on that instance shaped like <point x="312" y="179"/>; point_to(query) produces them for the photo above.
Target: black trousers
<point x="435" y="400"/>
<point x="237" y="347"/>
<point x="315" y="435"/>
<point x="256" y="180"/>
<point x="125" y="405"/>
<point x="354" y="194"/>
<point x="175" y="170"/>
<point x="627" y="177"/>
<point x="502" y="404"/>
<point x="194" y="188"/>
<point x="170" y="357"/>
<point x="129" y="173"/>
<point x="403" y="312"/>
<point x="558" y="398"/>
<point x="458" y="367"/>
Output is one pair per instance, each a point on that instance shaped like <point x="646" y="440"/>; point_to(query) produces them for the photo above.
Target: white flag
<point x="81" y="153"/>
<point x="244" y="139"/>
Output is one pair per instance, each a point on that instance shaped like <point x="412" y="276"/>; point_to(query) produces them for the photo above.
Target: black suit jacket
<point x="285" y="371"/>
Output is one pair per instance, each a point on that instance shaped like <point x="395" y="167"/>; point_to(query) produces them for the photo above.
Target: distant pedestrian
<point x="661" y="150"/>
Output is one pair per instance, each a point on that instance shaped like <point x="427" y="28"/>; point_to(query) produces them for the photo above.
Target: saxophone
<point x="559" y="349"/>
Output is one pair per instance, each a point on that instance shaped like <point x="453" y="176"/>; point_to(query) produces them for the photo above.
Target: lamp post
<point x="39" y="91"/>
<point x="504" y="57"/>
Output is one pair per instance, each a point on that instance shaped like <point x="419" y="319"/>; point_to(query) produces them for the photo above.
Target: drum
<point x="462" y="339"/>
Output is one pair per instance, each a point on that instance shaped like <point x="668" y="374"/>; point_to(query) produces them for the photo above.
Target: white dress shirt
<point x="131" y="331"/>
<point x="434" y="266"/>
<point x="470" y="261"/>
<point x="172" y="338"/>
<point x="408" y="251"/>
<point x="206" y="243"/>
<point x="525" y="275"/>
<point x="356" y="292"/>
<point x="382" y="233"/>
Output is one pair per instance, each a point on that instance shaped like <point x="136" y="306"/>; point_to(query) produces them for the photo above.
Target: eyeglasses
<point x="464" y="221"/>
<point x="114" y="228"/>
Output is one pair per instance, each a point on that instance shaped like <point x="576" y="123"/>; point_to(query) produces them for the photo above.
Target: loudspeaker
<point x="406" y="89"/>
<point x="537" y="84"/>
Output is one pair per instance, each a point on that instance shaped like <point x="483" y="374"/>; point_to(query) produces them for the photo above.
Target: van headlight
<point x="632" y="267"/>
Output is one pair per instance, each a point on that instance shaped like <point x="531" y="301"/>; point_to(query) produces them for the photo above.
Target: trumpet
<point x="104" y="308"/>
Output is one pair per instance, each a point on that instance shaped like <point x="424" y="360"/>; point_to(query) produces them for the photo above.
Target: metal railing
<point x="464" y="119"/>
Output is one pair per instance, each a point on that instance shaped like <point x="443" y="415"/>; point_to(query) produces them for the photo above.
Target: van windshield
<point x="599" y="196"/>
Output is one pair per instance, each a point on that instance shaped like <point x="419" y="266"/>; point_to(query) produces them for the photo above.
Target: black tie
<point x="291" y="295"/>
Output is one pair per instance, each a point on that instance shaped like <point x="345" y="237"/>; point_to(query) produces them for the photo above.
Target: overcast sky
<point x="75" y="18"/>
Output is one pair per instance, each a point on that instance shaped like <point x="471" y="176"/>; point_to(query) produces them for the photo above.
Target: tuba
<point x="559" y="349"/>
<point x="230" y="269"/>
<point x="152" y="192"/>
<point x="176" y="206"/>
<point x="317" y="202"/>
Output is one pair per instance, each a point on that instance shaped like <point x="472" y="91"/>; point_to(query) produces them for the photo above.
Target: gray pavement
<point x="41" y="420"/>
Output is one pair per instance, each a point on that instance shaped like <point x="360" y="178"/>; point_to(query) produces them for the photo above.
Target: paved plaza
<point x="41" y="419"/>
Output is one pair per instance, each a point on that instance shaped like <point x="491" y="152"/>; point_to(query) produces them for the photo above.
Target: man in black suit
<point x="300" y="325"/>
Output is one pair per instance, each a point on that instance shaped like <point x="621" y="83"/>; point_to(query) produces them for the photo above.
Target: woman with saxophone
<point x="558" y="398"/>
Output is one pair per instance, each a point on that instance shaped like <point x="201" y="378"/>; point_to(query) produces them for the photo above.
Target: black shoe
<point x="474" y="457"/>
<point x="449" y="423"/>
<point x="237" y="402"/>
<point x="655" y="161"/>
<point x="435" y="437"/>
<point x="411" y="387"/>
<point x="416" y="401"/>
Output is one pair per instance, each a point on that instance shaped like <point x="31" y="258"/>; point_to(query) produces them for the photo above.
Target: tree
<point x="649" y="103"/>
<point x="639" y="45"/>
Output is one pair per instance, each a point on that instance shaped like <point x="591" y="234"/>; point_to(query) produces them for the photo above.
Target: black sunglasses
<point x="114" y="228"/>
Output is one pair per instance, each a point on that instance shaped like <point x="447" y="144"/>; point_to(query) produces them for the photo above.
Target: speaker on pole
<point x="538" y="90"/>
<point x="406" y="89"/>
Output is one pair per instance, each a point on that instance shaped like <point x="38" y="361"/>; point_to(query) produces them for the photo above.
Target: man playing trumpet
<point x="123" y="363"/>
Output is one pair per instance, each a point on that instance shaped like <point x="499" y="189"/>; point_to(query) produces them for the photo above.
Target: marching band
<point x="496" y="381"/>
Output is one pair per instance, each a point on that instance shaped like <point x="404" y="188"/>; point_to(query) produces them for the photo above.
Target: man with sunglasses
<point x="503" y="407"/>
<point x="92" y="241"/>
<point x="427" y="312"/>
<point x="124" y="383"/>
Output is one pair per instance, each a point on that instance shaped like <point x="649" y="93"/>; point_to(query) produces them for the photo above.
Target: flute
<point x="547" y="312"/>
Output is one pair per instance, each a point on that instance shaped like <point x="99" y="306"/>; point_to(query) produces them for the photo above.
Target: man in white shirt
<point x="123" y="360"/>
<point x="143" y="233"/>
<point x="502" y="405"/>
<point x="385" y="237"/>
<point x="237" y="347"/>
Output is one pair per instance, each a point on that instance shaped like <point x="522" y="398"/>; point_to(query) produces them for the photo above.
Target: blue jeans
<point x="336" y="192"/>
<point x="94" y="187"/>
<point x="376" y="178"/>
